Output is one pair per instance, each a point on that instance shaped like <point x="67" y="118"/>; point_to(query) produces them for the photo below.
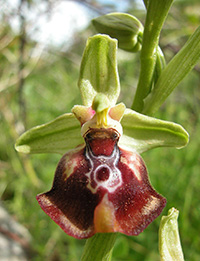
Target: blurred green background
<point x="38" y="82"/>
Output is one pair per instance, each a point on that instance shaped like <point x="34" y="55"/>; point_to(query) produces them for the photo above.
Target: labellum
<point x="100" y="187"/>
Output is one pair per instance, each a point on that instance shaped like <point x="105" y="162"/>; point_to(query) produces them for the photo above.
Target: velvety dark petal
<point x="136" y="203"/>
<point x="70" y="203"/>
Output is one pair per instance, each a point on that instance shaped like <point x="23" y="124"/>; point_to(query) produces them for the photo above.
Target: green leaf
<point x="126" y="28"/>
<point x="174" y="72"/>
<point x="142" y="133"/>
<point x="57" y="136"/>
<point x="98" y="72"/>
<point x="99" y="247"/>
<point x="157" y="11"/>
<point x="169" y="240"/>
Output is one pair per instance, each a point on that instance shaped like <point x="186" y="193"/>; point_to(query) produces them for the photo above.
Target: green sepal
<point x="169" y="240"/>
<point x="57" y="136"/>
<point x="98" y="72"/>
<point x="141" y="132"/>
<point x="126" y="28"/>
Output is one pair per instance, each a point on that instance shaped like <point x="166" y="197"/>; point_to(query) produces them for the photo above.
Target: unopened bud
<point x="126" y="28"/>
<point x="169" y="241"/>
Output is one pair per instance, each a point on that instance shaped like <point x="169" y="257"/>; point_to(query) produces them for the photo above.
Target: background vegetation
<point x="35" y="87"/>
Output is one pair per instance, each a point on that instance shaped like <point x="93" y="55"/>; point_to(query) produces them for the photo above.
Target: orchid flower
<point x="101" y="183"/>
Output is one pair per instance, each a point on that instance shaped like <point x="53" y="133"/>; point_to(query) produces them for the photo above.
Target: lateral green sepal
<point x="141" y="132"/>
<point x="57" y="136"/>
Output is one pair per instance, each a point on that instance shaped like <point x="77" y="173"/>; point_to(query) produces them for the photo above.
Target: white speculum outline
<point x="97" y="162"/>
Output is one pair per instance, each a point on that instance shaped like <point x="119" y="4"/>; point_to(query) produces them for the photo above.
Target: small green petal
<point x="83" y="113"/>
<point x="98" y="72"/>
<point x="169" y="240"/>
<point x="57" y="136"/>
<point x="141" y="132"/>
<point x="117" y="112"/>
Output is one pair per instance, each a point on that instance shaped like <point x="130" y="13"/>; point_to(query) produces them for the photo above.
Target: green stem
<point x="174" y="72"/>
<point x="157" y="11"/>
<point x="146" y="3"/>
<point x="99" y="247"/>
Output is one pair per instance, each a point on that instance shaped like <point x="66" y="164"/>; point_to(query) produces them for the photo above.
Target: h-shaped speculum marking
<point x="103" y="170"/>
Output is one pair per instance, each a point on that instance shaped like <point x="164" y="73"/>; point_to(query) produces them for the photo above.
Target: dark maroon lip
<point x="101" y="188"/>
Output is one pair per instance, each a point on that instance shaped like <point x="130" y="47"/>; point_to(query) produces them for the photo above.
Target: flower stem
<point x="156" y="14"/>
<point x="174" y="72"/>
<point x="99" y="247"/>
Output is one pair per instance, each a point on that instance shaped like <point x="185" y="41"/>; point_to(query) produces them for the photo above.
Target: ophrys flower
<point x="101" y="183"/>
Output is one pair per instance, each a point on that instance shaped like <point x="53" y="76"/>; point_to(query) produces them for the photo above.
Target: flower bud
<point x="169" y="240"/>
<point x="126" y="28"/>
<point x="160" y="64"/>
